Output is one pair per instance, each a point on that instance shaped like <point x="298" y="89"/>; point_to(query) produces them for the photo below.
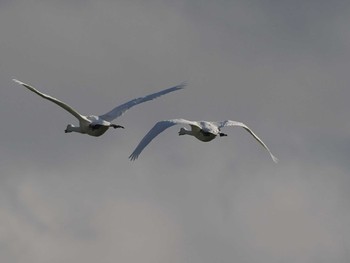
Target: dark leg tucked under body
<point x="97" y="126"/>
<point x="115" y="126"/>
<point x="206" y="134"/>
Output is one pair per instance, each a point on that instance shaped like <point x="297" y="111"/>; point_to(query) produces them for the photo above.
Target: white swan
<point x="98" y="125"/>
<point x="204" y="131"/>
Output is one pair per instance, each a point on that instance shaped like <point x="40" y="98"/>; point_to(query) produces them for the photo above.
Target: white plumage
<point x="203" y="130"/>
<point x="98" y="125"/>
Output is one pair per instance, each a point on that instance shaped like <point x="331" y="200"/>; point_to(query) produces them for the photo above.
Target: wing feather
<point x="157" y="129"/>
<point x="240" y="124"/>
<point x="54" y="100"/>
<point x="120" y="110"/>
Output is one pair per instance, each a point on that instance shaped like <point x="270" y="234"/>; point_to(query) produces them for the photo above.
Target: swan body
<point x="97" y="125"/>
<point x="204" y="131"/>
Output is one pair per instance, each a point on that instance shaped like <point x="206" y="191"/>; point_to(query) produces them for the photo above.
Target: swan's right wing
<point x="157" y="129"/>
<point x="121" y="109"/>
<point x="54" y="100"/>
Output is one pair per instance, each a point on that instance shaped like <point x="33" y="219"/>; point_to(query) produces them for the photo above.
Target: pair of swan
<point x="97" y="125"/>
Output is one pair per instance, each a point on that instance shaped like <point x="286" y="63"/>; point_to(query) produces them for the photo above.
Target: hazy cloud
<point x="279" y="66"/>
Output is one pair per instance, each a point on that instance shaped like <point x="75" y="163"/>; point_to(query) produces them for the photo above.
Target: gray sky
<point x="282" y="67"/>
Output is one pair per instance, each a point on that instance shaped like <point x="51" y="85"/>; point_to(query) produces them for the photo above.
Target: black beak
<point x="222" y="134"/>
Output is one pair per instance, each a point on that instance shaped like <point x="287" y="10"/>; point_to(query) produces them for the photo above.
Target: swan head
<point x="70" y="128"/>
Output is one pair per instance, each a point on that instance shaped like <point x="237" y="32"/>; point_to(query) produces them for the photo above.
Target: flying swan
<point x="204" y="131"/>
<point x="98" y="125"/>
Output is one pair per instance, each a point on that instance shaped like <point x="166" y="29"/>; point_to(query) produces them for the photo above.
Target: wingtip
<point x="275" y="159"/>
<point x="132" y="158"/>
<point x="183" y="84"/>
<point x="17" y="81"/>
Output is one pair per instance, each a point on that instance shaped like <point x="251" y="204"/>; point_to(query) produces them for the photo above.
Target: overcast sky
<point x="281" y="67"/>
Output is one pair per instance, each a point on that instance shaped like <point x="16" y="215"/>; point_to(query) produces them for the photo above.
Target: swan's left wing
<point x="240" y="124"/>
<point x="157" y="129"/>
<point x="120" y="110"/>
<point x="54" y="100"/>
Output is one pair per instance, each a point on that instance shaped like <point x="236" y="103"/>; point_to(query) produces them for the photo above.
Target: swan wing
<point x="120" y="110"/>
<point x="228" y="123"/>
<point x="54" y="100"/>
<point x="157" y="129"/>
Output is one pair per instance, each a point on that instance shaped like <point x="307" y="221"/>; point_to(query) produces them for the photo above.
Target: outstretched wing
<point x="157" y="129"/>
<point x="54" y="100"/>
<point x="120" y="110"/>
<point x="240" y="124"/>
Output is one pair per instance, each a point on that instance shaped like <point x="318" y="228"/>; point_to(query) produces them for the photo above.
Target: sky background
<point x="281" y="67"/>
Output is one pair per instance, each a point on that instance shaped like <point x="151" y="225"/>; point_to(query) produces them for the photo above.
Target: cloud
<point x="279" y="67"/>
